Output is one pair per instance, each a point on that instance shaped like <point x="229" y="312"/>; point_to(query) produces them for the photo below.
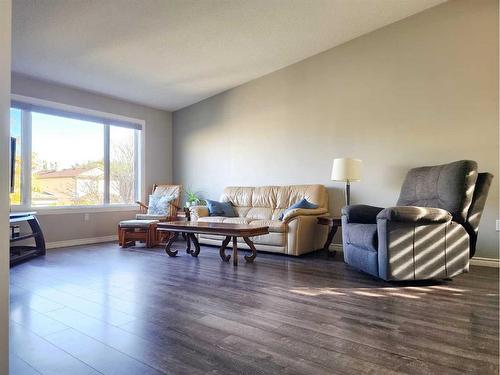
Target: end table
<point x="333" y="224"/>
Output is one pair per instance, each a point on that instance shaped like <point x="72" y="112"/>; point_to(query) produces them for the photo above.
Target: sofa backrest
<point x="268" y="202"/>
<point x="447" y="186"/>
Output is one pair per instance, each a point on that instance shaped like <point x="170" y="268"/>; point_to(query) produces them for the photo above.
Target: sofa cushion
<point x="241" y="211"/>
<point x="259" y="213"/>
<point x="137" y="223"/>
<point x="362" y="235"/>
<point x="288" y="195"/>
<point x="223" y="219"/>
<point x="220" y="208"/>
<point x="276" y="226"/>
<point x="150" y="217"/>
<point x="274" y="196"/>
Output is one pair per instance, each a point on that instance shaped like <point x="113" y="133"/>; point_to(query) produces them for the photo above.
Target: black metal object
<point x="19" y="253"/>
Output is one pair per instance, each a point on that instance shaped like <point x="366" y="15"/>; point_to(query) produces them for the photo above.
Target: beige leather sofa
<point x="298" y="233"/>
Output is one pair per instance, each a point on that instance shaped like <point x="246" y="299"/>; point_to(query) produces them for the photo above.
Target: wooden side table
<point x="333" y="225"/>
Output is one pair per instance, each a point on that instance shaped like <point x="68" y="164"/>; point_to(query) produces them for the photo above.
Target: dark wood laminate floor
<point x="100" y="309"/>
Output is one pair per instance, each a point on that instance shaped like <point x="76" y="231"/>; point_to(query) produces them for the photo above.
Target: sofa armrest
<point x="289" y="215"/>
<point x="413" y="214"/>
<point x="198" y="211"/>
<point x="361" y="213"/>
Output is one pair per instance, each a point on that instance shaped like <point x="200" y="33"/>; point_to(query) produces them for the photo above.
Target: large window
<point x="73" y="159"/>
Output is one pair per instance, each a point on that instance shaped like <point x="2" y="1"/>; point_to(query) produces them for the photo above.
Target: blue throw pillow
<point x="303" y="203"/>
<point x="220" y="208"/>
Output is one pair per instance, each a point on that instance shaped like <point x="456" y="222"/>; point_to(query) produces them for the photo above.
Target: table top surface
<point x="215" y="228"/>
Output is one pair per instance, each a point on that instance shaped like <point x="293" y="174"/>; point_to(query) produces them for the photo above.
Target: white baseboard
<point x="485" y="262"/>
<point x="336" y="247"/>
<point x="476" y="261"/>
<point x="80" y="241"/>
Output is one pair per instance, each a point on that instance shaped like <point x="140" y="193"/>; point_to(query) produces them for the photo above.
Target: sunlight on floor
<point x="410" y="292"/>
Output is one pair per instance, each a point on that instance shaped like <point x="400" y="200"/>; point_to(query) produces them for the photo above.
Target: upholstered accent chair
<point x="164" y="202"/>
<point x="297" y="233"/>
<point x="430" y="234"/>
<point x="162" y="206"/>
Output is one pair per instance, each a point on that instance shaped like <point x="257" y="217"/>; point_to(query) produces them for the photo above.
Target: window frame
<point x="107" y="119"/>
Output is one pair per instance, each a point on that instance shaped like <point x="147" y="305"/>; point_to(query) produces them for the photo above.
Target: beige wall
<point x="5" y="44"/>
<point x="158" y="153"/>
<point x="422" y="91"/>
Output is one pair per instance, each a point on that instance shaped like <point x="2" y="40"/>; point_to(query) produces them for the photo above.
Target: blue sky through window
<point x="65" y="142"/>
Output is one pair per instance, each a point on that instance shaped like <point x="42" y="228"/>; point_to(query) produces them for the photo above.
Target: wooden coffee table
<point x="222" y="229"/>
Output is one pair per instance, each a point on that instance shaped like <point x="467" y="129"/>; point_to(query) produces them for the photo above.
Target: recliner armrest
<point x="304" y="212"/>
<point x="361" y="213"/>
<point x="413" y="214"/>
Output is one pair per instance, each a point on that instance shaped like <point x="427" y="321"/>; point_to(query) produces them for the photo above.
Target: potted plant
<point x="192" y="198"/>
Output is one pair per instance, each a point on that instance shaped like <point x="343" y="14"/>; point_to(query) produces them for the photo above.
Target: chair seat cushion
<point x="151" y="217"/>
<point x="137" y="223"/>
<point x="362" y="236"/>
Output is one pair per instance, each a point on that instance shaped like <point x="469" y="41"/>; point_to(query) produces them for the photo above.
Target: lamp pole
<point x="347" y="193"/>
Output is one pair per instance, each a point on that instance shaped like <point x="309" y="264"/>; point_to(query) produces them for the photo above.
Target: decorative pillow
<point x="159" y="204"/>
<point x="303" y="203"/>
<point x="220" y="208"/>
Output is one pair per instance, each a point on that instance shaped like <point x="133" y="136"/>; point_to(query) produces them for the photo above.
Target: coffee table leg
<point x="188" y="242"/>
<point x="222" y="249"/>
<point x="250" y="258"/>
<point x="170" y="241"/>
<point x="196" y="244"/>
<point x="235" y="252"/>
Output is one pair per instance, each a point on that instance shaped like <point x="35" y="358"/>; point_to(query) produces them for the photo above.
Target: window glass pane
<point x="121" y="168"/>
<point x="15" y="131"/>
<point x="67" y="161"/>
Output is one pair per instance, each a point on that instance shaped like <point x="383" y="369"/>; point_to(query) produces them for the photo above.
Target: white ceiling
<point x="171" y="53"/>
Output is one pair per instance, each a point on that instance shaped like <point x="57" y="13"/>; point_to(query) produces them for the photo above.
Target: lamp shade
<point x="347" y="169"/>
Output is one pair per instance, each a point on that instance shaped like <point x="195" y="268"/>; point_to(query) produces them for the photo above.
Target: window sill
<point x="76" y="209"/>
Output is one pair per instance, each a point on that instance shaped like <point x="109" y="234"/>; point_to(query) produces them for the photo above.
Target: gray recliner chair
<point x="430" y="234"/>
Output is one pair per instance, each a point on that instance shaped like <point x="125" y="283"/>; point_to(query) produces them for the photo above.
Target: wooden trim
<point x="485" y="262"/>
<point x="81" y="241"/>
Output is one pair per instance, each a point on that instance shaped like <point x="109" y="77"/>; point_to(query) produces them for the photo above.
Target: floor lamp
<point x="347" y="170"/>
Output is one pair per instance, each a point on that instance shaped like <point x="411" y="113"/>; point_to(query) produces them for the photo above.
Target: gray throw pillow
<point x="220" y="208"/>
